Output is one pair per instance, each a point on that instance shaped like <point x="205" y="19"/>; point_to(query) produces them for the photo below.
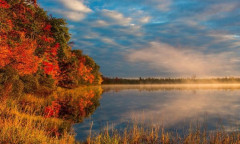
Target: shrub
<point x="30" y="83"/>
<point x="10" y="82"/>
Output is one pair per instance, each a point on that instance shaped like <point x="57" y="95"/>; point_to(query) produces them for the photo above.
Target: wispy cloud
<point x="114" y="18"/>
<point x="76" y="5"/>
<point x="71" y="15"/>
<point x="182" y="61"/>
<point x="163" y="5"/>
<point x="75" y="10"/>
<point x="145" y="19"/>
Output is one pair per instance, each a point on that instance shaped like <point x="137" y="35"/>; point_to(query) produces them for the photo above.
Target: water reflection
<point x="173" y="106"/>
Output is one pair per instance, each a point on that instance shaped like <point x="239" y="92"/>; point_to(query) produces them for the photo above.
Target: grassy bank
<point x="157" y="135"/>
<point x="35" y="119"/>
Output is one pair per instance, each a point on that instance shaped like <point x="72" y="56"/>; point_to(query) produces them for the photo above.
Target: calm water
<point x="175" y="107"/>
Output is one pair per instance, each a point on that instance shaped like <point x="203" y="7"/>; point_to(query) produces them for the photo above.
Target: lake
<point x="176" y="107"/>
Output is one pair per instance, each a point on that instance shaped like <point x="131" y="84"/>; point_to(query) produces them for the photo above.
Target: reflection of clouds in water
<point x="170" y="107"/>
<point x="188" y="105"/>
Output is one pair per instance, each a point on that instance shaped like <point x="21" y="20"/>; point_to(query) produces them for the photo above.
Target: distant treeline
<point x="116" y="80"/>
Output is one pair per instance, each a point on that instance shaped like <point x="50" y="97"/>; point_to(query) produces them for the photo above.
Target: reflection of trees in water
<point x="68" y="104"/>
<point x="79" y="103"/>
<point x="166" y="87"/>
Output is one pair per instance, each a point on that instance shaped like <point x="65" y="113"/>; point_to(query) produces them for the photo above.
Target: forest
<point x="193" y="80"/>
<point x="35" y="55"/>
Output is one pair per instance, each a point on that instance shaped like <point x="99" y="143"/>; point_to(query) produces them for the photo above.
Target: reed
<point x="138" y="134"/>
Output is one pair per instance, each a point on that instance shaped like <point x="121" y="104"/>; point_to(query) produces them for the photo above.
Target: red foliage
<point x="47" y="39"/>
<point x="21" y="56"/>
<point x="50" y="65"/>
<point x="47" y="27"/>
<point x="54" y="50"/>
<point x="52" y="110"/>
<point x="48" y="68"/>
<point x="4" y="4"/>
<point x="51" y="68"/>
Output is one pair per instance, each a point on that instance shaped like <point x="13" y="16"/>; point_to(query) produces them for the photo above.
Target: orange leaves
<point x="90" y="78"/>
<point x="4" y="4"/>
<point x="7" y="24"/>
<point x="10" y="24"/>
<point x="21" y="57"/>
<point x="85" y="72"/>
<point x="25" y="60"/>
<point x="4" y="55"/>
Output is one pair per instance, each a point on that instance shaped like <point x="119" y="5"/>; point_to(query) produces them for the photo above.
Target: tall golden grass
<point x="19" y="127"/>
<point x="22" y="119"/>
<point x="139" y="134"/>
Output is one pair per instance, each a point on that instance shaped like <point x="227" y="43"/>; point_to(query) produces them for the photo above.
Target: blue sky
<point x="155" y="38"/>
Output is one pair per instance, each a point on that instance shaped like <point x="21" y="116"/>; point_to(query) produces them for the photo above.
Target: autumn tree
<point x="36" y="46"/>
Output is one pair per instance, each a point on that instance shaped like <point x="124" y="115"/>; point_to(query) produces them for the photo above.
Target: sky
<point x="155" y="38"/>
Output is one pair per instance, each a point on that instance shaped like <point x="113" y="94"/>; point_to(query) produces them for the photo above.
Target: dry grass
<point x="157" y="135"/>
<point x="18" y="127"/>
<point x="22" y="119"/>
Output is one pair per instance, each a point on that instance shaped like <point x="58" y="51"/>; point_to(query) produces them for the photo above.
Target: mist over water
<point x="173" y="106"/>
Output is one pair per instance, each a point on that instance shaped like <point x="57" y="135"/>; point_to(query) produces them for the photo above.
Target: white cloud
<point x="145" y="19"/>
<point x="72" y="15"/>
<point x="164" y="57"/>
<point x="76" y="5"/>
<point x="91" y="35"/>
<point x="114" y="17"/>
<point x="108" y="41"/>
<point x="164" y="5"/>
<point x="76" y="10"/>
<point x="225" y="37"/>
<point x="71" y="26"/>
<point x="101" y="23"/>
<point x="215" y="10"/>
